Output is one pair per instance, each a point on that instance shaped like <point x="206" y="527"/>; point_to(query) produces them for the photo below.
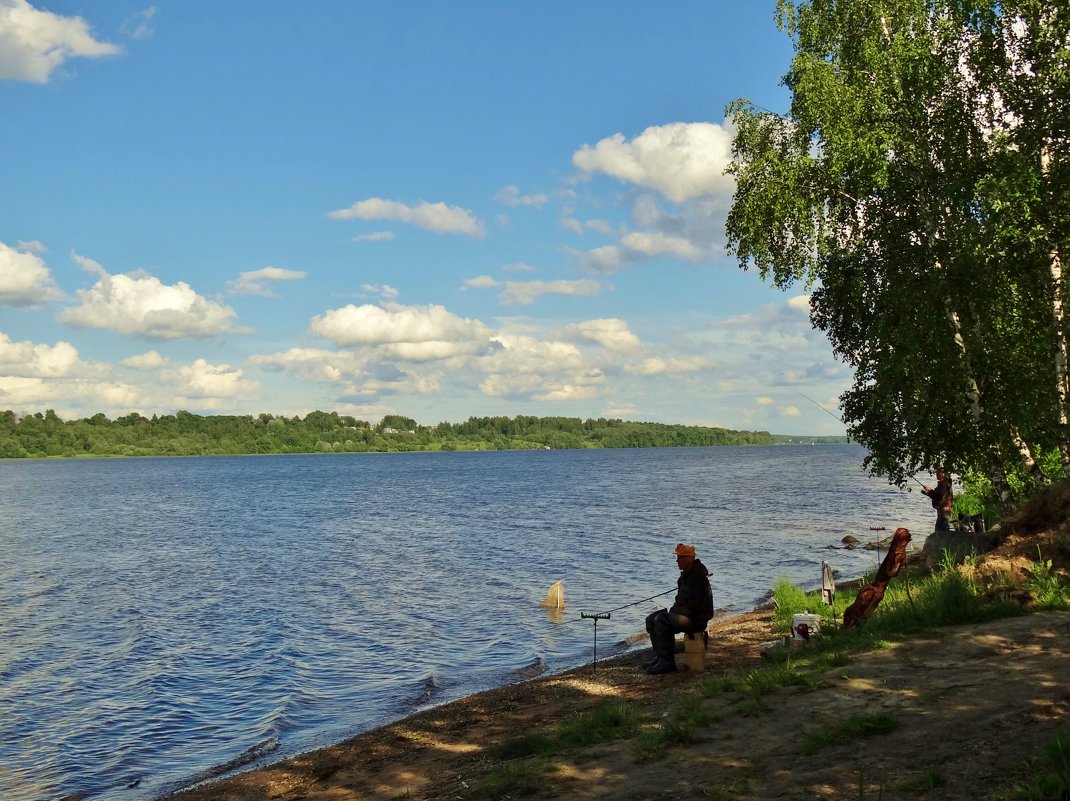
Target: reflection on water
<point x="165" y="620"/>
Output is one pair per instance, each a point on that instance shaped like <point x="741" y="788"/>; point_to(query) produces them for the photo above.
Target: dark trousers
<point x="663" y="626"/>
<point x="943" y="520"/>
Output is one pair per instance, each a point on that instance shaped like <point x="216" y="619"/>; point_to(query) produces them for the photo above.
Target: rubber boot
<point x="663" y="665"/>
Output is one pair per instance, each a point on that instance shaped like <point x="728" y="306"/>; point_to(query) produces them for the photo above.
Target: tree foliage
<point x="918" y="184"/>
<point x="187" y="434"/>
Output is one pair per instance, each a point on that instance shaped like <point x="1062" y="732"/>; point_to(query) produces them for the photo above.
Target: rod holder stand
<point x="595" y="618"/>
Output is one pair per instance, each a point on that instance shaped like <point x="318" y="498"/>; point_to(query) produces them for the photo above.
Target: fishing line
<point x="596" y="616"/>
<point x="833" y="414"/>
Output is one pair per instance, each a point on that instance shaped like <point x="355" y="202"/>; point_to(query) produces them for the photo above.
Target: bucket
<point x="804" y="625"/>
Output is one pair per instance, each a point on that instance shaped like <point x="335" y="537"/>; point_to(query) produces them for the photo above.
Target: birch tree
<point x="880" y="188"/>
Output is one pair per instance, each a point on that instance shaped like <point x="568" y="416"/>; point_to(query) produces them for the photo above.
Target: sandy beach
<point x="974" y="705"/>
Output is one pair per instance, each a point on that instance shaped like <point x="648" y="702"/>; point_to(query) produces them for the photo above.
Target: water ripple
<point x="164" y="622"/>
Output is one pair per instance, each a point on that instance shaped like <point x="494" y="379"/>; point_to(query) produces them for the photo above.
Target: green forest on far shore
<point x="187" y="434"/>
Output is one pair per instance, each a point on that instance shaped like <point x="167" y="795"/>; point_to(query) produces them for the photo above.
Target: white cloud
<point x="579" y="227"/>
<point x="480" y="282"/>
<point x="606" y="259"/>
<point x="680" y="160"/>
<point x="652" y="243"/>
<point x="510" y="196"/>
<point x="30" y="360"/>
<point x="203" y="380"/>
<point x="398" y="325"/>
<point x="69" y="397"/>
<point x="312" y="364"/>
<point x="384" y="291"/>
<point x="524" y="293"/>
<point x="790" y="411"/>
<point x="611" y="333"/>
<point x="150" y="360"/>
<point x="25" y="280"/>
<point x="518" y="267"/>
<point x="437" y="217"/>
<point x="765" y="400"/>
<point x="140" y="305"/>
<point x="34" y="43"/>
<point x="668" y="365"/>
<point x="256" y="282"/>
<point x="33" y="246"/>
<point x="376" y="236"/>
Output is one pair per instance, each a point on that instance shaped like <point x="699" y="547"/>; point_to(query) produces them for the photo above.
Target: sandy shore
<point x="973" y="705"/>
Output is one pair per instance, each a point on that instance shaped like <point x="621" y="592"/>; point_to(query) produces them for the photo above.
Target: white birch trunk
<point x="1062" y="376"/>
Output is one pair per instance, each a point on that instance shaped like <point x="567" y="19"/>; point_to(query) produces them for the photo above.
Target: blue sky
<point x="432" y="209"/>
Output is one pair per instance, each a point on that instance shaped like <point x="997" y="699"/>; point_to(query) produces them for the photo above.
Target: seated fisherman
<point x="691" y="611"/>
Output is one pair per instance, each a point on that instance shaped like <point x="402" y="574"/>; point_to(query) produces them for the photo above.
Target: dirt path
<point x="972" y="704"/>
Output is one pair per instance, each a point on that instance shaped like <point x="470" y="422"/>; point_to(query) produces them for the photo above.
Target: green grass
<point x="513" y="780"/>
<point x="1050" y="777"/>
<point x="847" y="732"/>
<point x="1049" y="589"/>
<point x="613" y="720"/>
<point x="911" y="604"/>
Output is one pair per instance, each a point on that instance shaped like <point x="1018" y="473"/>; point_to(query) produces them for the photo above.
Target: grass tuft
<point x="512" y="780"/>
<point x="847" y="732"/>
<point x="1051" y="773"/>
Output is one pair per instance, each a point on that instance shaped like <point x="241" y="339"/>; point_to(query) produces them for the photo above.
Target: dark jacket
<point x="694" y="596"/>
<point x="941" y="494"/>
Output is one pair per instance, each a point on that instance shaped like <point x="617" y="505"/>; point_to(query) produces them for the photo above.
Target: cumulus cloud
<point x="437" y="217"/>
<point x="681" y="161"/>
<point x="510" y="196"/>
<point x="652" y="243"/>
<point x="524" y="293"/>
<point x="668" y="365"/>
<point x="607" y="259"/>
<point x="257" y="282"/>
<point x="541" y="388"/>
<point x="612" y="334"/>
<point x="24" y="278"/>
<point x="34" y="43"/>
<point x="141" y="305"/>
<point x="203" y="380"/>
<point x="150" y="360"/>
<point x="399" y="326"/>
<point x="311" y="364"/>
<point x="31" y="360"/>
<point x="69" y="397"/>
<point x="479" y="282"/>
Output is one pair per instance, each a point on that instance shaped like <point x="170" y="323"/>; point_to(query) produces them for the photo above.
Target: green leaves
<point x="906" y="186"/>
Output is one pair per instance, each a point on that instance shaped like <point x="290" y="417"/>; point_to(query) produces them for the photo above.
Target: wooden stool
<point x="693" y="658"/>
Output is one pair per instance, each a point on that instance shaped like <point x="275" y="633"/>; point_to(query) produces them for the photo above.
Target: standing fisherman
<point x="942" y="498"/>
<point x="691" y="611"/>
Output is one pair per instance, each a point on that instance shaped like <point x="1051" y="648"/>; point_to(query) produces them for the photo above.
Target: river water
<point x="163" y="621"/>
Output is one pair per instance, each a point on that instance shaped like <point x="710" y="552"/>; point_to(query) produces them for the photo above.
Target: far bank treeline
<point x="186" y="434"/>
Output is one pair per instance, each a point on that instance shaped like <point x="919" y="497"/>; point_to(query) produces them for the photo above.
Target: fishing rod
<point x="833" y="414"/>
<point x="818" y="405"/>
<point x="607" y="613"/>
